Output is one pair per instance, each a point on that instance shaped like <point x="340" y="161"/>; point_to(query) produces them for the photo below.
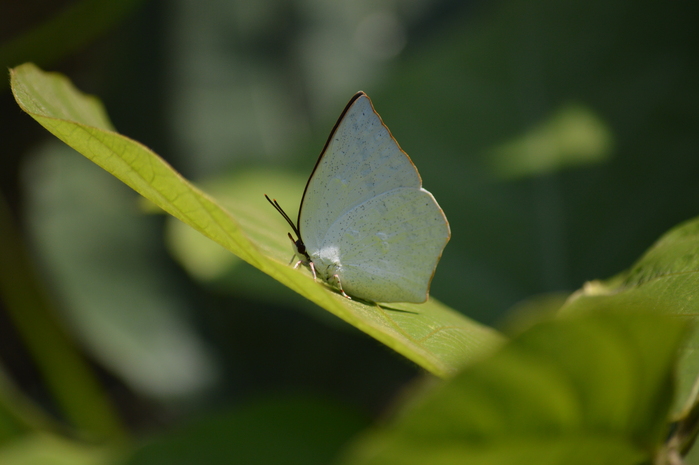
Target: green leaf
<point x="572" y="136"/>
<point x="121" y="307"/>
<point x="67" y="374"/>
<point x="432" y="335"/>
<point x="665" y="278"/>
<point x="593" y="388"/>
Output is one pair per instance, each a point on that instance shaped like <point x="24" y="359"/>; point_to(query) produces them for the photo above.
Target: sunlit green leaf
<point x="432" y="335"/>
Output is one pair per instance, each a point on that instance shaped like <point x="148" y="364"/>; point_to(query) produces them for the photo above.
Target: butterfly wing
<point x="363" y="169"/>
<point x="387" y="248"/>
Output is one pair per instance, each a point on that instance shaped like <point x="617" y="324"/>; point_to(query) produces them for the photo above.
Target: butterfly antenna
<point x="281" y="211"/>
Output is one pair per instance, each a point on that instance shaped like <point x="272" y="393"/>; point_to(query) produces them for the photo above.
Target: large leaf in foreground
<point x="665" y="278"/>
<point x="591" y="388"/>
<point x="432" y="335"/>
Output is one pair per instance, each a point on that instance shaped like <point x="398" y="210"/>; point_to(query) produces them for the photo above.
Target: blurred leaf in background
<point x="108" y="277"/>
<point x="573" y="136"/>
<point x="45" y="449"/>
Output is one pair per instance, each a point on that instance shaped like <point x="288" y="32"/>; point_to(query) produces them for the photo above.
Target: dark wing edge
<point x="439" y="257"/>
<point x="325" y="147"/>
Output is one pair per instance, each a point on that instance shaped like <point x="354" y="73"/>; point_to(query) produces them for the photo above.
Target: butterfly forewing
<point x="360" y="161"/>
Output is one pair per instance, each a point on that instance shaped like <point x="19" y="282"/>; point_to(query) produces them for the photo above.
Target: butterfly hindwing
<point x="386" y="249"/>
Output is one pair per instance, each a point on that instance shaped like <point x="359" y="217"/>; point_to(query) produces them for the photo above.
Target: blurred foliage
<point x="46" y="449"/>
<point x="559" y="137"/>
<point x="289" y="429"/>
<point x="70" y="27"/>
<point x="664" y="278"/>
<point x="573" y="136"/>
<point x="122" y="303"/>
<point x="591" y="389"/>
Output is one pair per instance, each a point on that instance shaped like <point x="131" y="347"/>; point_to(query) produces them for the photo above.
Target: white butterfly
<point x="366" y="226"/>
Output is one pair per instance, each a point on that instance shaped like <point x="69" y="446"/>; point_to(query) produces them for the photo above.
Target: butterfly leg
<point x="339" y="285"/>
<point x="309" y="264"/>
<point x="313" y="270"/>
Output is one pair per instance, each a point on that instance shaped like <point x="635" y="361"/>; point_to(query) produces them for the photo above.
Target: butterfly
<point x="366" y="226"/>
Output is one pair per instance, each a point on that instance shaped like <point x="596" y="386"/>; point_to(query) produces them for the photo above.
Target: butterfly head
<point x="299" y="248"/>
